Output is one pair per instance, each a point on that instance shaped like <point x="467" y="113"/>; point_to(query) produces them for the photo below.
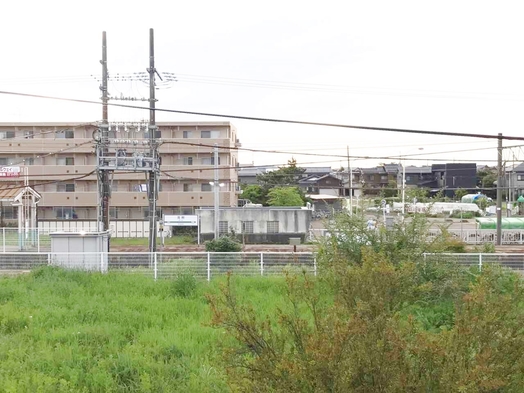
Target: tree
<point x="285" y="176"/>
<point x="255" y="193"/>
<point x="391" y="190"/>
<point x="284" y="196"/>
<point x="460" y="192"/>
<point x="420" y="193"/>
<point x="487" y="177"/>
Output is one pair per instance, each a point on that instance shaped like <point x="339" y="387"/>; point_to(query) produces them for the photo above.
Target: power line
<point x="274" y="120"/>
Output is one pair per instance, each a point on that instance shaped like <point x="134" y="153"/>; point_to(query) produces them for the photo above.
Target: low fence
<point x="468" y="236"/>
<point x="166" y="264"/>
<point x="514" y="261"/>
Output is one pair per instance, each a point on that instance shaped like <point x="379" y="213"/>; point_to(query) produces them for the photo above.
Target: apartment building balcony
<point x="131" y="198"/>
<point x="45" y="145"/>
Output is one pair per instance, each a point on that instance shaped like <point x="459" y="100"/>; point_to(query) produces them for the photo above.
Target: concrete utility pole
<point x="499" y="190"/>
<point x="103" y="175"/>
<point x="350" y="184"/>
<point x="153" y="144"/>
<point x="216" y="189"/>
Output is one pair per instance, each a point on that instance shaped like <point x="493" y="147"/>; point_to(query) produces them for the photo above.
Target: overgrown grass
<point x="66" y="331"/>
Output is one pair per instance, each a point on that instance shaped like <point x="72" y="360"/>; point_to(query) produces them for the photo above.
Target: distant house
<point x="373" y="180"/>
<point x="247" y="174"/>
<point x="451" y="176"/>
<point x="419" y="176"/>
<point x="321" y="185"/>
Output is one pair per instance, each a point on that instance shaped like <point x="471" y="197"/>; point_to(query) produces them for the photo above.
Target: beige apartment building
<point x="59" y="161"/>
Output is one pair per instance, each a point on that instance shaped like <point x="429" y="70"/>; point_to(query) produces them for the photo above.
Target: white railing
<point x="468" y="236"/>
<point x="166" y="264"/>
<point x="514" y="261"/>
<point x="207" y="265"/>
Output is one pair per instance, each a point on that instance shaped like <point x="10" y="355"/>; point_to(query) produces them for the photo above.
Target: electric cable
<point x="275" y="120"/>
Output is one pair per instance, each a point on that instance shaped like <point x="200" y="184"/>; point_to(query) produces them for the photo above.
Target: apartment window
<point x="384" y="177"/>
<point x="65" y="213"/>
<point x="205" y="187"/>
<point x="29" y="134"/>
<point x="210" y="134"/>
<point x="210" y="161"/>
<point x="187" y="134"/>
<point x="520" y="177"/>
<point x="65" y="161"/>
<point x="188" y="187"/>
<point x="7" y="134"/>
<point x="146" y="212"/>
<point x="65" y="187"/>
<point x="222" y="228"/>
<point x="272" y="227"/>
<point x="188" y="160"/>
<point x="3" y="161"/>
<point x="113" y="212"/>
<point x="29" y="161"/>
<point x="371" y="177"/>
<point x="247" y="226"/>
<point x="65" y="134"/>
<point x="408" y="178"/>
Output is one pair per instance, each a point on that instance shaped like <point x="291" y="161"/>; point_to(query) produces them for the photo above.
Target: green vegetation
<point x="277" y="188"/>
<point x="224" y="244"/>
<point x="380" y="318"/>
<point x="284" y="196"/>
<point x="66" y="331"/>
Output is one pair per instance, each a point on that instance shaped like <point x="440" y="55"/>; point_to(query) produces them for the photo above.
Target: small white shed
<point x="80" y="250"/>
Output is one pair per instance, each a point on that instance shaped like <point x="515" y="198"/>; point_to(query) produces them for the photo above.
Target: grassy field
<point x="66" y="331"/>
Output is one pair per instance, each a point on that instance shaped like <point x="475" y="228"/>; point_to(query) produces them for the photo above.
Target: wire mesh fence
<point x="165" y="264"/>
<point x="207" y="265"/>
<point x="513" y="261"/>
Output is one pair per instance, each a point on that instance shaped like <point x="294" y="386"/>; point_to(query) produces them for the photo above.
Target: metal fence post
<point x="3" y="237"/>
<point x="48" y="259"/>
<point x="155" y="265"/>
<point x="101" y="262"/>
<point x="261" y="263"/>
<point x="208" y="266"/>
<point x="314" y="265"/>
<point x="424" y="255"/>
<point x="38" y="239"/>
<point x="480" y="261"/>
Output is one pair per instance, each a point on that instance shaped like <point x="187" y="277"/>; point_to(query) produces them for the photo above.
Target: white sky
<point x="446" y="66"/>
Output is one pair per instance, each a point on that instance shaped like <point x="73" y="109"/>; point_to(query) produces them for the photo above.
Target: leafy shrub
<point x="223" y="244"/>
<point x="382" y="327"/>
<point x="184" y="285"/>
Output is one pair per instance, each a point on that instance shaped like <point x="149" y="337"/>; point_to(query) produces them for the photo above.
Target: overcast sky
<point x="453" y="66"/>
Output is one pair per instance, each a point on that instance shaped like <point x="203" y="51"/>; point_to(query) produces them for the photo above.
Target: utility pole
<point x="350" y="183"/>
<point x="216" y="189"/>
<point x="499" y="190"/>
<point x="153" y="145"/>
<point x="103" y="174"/>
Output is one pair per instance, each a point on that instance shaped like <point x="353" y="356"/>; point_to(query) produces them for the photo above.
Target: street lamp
<point x="216" y="188"/>
<point x="404" y="183"/>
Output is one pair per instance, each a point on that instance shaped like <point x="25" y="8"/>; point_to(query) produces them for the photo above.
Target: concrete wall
<point x="291" y="222"/>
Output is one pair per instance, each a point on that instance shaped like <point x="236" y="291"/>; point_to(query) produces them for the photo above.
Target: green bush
<point x="184" y="285"/>
<point x="223" y="244"/>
